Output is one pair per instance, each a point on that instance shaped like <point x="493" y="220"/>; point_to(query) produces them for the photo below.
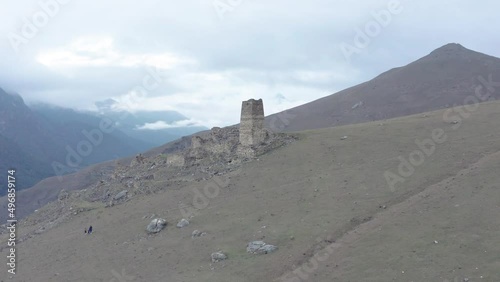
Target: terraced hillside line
<point x="354" y="232"/>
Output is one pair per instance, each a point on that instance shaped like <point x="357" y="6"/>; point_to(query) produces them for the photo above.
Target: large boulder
<point x="156" y="225"/>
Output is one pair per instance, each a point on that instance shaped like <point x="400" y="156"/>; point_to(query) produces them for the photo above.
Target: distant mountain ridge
<point x="21" y="132"/>
<point x="40" y="139"/>
<point x="132" y="122"/>
<point x="444" y="78"/>
<point x="37" y="144"/>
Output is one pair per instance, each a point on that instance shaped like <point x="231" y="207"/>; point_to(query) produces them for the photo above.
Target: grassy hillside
<point x="320" y="190"/>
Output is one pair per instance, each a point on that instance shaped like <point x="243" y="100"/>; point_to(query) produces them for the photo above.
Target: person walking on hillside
<point x="90" y="230"/>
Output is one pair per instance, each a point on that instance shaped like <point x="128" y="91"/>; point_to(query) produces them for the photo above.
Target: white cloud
<point x="101" y="52"/>
<point x="159" y="125"/>
<point x="260" y="49"/>
<point x="214" y="98"/>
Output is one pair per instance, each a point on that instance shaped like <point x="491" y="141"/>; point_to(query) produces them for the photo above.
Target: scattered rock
<point x="218" y="256"/>
<point x="63" y="195"/>
<point x="156" y="225"/>
<point x="197" y="233"/>
<point x="40" y="230"/>
<point x="343" y="138"/>
<point x="260" y="248"/>
<point x="109" y="204"/>
<point x="455" y="122"/>
<point x="120" y="195"/>
<point x="140" y="158"/>
<point x="182" y="223"/>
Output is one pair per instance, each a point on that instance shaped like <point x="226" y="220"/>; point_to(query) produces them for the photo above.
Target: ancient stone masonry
<point x="252" y="123"/>
<point x="233" y="144"/>
<point x="208" y="154"/>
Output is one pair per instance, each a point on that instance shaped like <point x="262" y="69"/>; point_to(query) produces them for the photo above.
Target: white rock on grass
<point x="120" y="195"/>
<point x="218" y="256"/>
<point x="197" y="233"/>
<point x="182" y="223"/>
<point x="260" y="248"/>
<point x="156" y="225"/>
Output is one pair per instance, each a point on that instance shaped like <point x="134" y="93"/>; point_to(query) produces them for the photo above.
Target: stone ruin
<point x="207" y="154"/>
<point x="252" y="123"/>
<point x="220" y="148"/>
<point x="252" y="134"/>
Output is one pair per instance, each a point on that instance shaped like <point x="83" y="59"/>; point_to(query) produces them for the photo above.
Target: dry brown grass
<point x="317" y="188"/>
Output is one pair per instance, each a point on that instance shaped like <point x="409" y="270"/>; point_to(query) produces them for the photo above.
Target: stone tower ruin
<point x="252" y="123"/>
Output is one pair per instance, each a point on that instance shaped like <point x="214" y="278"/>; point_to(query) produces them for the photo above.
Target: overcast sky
<point x="210" y="55"/>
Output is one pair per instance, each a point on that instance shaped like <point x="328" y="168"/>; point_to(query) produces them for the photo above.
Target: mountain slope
<point x="319" y="190"/>
<point x="13" y="156"/>
<point x="442" y="79"/>
<point x="73" y="122"/>
<point x="28" y="142"/>
<point x="32" y="141"/>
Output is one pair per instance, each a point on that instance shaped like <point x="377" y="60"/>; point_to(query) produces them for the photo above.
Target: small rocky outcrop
<point x="218" y="256"/>
<point x="120" y="195"/>
<point x="63" y="195"/>
<point x="138" y="160"/>
<point x="182" y="223"/>
<point x="260" y="248"/>
<point x="197" y="233"/>
<point x="156" y="225"/>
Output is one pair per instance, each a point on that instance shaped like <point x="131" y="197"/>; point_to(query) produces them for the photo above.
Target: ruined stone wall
<point x="252" y="123"/>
